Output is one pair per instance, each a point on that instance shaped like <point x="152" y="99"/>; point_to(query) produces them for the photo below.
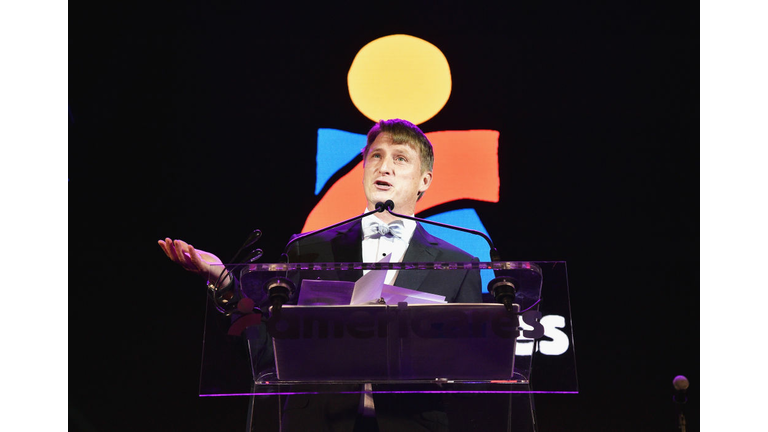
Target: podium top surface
<point x="335" y="266"/>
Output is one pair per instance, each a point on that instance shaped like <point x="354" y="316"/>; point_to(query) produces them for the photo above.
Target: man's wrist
<point x="216" y="282"/>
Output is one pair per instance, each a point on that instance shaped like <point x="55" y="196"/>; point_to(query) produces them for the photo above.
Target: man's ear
<point x="426" y="181"/>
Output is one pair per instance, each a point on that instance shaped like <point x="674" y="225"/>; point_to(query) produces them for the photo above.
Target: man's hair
<point x="403" y="132"/>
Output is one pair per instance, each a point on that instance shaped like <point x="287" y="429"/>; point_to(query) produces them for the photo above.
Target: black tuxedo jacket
<point x="344" y="244"/>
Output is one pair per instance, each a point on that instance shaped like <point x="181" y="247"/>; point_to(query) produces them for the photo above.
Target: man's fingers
<point x="184" y="251"/>
<point x="171" y="249"/>
<point x="178" y="248"/>
<point x="176" y="251"/>
<point x="164" y="247"/>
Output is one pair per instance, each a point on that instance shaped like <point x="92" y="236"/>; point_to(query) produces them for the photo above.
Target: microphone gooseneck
<point x="503" y="287"/>
<point x="281" y="289"/>
<point x="390" y="206"/>
<point x="380" y="207"/>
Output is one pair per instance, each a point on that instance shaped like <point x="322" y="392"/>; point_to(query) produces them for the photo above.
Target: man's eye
<point x="401" y="159"/>
<point x="375" y="156"/>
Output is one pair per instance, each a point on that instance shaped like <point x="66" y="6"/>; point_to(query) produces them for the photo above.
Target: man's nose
<point x="386" y="166"/>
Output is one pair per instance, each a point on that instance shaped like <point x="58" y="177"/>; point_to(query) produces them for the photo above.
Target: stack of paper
<point x="367" y="290"/>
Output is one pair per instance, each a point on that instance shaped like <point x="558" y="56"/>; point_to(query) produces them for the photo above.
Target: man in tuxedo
<point x="397" y="161"/>
<point x="397" y="166"/>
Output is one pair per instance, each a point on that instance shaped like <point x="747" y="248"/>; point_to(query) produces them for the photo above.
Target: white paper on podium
<point x="368" y="289"/>
<point x="395" y="294"/>
<point x="325" y="292"/>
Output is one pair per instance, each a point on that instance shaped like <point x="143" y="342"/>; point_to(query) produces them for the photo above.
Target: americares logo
<point x="466" y="162"/>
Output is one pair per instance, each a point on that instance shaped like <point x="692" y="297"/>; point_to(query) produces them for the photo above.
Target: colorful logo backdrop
<point x="400" y="76"/>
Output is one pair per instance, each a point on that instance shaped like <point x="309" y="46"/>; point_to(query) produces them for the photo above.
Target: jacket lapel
<point x="347" y="247"/>
<point x="419" y="250"/>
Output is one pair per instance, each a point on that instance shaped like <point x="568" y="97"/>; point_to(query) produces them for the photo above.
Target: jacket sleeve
<point x="470" y="290"/>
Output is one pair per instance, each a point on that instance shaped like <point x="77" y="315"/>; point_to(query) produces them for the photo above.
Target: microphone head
<point x="680" y="383"/>
<point x="380" y="207"/>
<point x="390" y="205"/>
<point x="253" y="238"/>
<point x="254" y="255"/>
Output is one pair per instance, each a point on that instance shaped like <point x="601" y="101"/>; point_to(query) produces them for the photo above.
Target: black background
<point x="199" y="121"/>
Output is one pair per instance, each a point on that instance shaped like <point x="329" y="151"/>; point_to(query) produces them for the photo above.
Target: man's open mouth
<point x="382" y="185"/>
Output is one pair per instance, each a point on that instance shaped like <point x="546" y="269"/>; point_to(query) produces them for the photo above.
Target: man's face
<point x="393" y="171"/>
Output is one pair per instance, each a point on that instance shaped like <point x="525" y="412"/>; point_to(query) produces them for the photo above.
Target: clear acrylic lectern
<point x="483" y="361"/>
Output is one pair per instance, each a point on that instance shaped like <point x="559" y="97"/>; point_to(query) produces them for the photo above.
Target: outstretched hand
<point x="194" y="260"/>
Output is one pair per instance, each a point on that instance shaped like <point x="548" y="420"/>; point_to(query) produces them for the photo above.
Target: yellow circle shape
<point x="399" y="76"/>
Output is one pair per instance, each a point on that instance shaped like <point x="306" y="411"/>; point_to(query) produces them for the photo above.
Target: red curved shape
<point x="466" y="167"/>
<point x="244" y="322"/>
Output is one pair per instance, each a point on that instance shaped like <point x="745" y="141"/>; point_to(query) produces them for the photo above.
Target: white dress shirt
<point x="377" y="247"/>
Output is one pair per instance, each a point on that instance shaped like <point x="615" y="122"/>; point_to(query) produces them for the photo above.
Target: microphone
<point x="680" y="383"/>
<point x="252" y="238"/>
<point x="252" y="256"/>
